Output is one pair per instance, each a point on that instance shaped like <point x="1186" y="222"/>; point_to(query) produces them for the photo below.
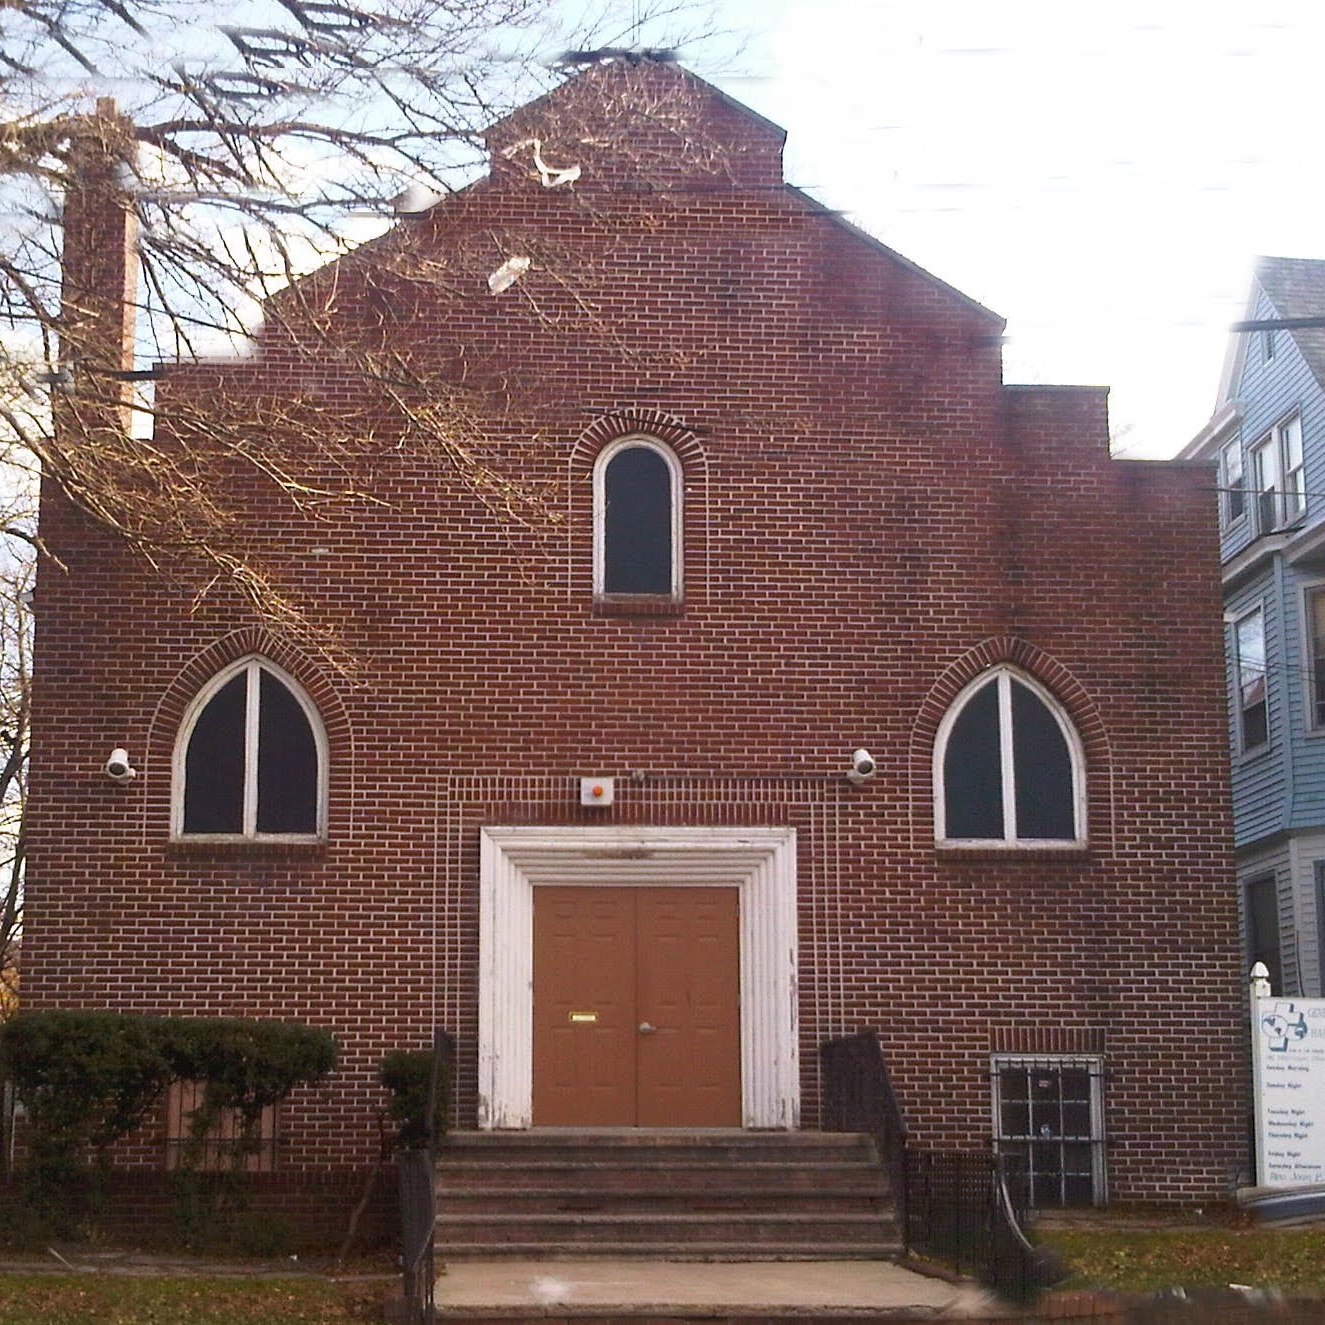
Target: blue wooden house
<point x="1267" y="437"/>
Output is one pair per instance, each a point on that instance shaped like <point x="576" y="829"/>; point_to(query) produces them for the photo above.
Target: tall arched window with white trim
<point x="251" y="759"/>
<point x="1008" y="767"/>
<point x="637" y="519"/>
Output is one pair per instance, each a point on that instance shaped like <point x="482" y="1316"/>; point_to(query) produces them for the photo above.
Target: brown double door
<point x="636" y="1007"/>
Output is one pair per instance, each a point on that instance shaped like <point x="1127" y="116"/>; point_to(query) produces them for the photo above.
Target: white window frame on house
<point x="1313" y="637"/>
<point x="1003" y="677"/>
<point x="1278" y="475"/>
<point x="252" y="667"/>
<point x="1232" y="483"/>
<point x="600" y="496"/>
<point x="1251" y="685"/>
<point x="1037" y="1143"/>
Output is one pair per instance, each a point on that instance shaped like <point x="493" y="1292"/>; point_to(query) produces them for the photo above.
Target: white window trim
<point x="251" y="665"/>
<point x="605" y="457"/>
<point x="1092" y="1063"/>
<point x="1271" y="471"/>
<point x="1003" y="677"/>
<point x="1229" y="480"/>
<point x="1309" y="591"/>
<point x="1239" y="710"/>
<point x="1294" y="475"/>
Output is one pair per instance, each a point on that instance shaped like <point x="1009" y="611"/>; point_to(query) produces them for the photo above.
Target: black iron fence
<point x="418" y="1197"/>
<point x="965" y="1210"/>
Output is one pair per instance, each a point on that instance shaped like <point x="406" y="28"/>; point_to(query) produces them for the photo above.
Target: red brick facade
<point x="871" y="518"/>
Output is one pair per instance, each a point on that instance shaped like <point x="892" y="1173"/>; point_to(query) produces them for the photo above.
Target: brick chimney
<point x="100" y="271"/>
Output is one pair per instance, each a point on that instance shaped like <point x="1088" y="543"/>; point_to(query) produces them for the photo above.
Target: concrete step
<point x="648" y="1229"/>
<point x="862" y="1198"/>
<point x="728" y="1252"/>
<point x="723" y="1194"/>
<point x="739" y="1291"/>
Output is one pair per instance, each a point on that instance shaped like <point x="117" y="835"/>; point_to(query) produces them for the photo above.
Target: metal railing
<point x="858" y="1096"/>
<point x="418" y="1197"/>
<point x="965" y="1210"/>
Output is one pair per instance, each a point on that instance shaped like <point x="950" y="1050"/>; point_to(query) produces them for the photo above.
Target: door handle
<point x="647" y="1028"/>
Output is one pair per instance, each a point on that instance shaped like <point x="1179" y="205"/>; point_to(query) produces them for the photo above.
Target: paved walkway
<point x="562" y="1288"/>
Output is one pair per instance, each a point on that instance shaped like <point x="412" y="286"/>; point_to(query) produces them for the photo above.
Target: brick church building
<point x="832" y="684"/>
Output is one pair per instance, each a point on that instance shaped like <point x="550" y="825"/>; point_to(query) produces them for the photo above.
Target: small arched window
<point x="1008" y="768"/>
<point x="637" y="519"/>
<point x="250" y="760"/>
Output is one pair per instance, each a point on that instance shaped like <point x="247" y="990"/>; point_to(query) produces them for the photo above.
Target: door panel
<point x="610" y="960"/>
<point x="584" y="1070"/>
<point x="689" y="987"/>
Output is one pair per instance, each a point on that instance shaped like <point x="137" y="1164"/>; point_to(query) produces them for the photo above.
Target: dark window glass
<point x="1043" y="769"/>
<point x="1262" y="911"/>
<point x="637" y="524"/>
<point x="287" y="762"/>
<point x="1025" y="793"/>
<point x="973" y="770"/>
<point x="283" y="759"/>
<point x="214" y="763"/>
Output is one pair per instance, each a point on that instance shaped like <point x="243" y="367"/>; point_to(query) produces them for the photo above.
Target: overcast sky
<point x="1102" y="175"/>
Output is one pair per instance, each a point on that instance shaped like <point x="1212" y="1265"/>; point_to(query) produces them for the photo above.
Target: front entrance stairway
<point x="669" y="1194"/>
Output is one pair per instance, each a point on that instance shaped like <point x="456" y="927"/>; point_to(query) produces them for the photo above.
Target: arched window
<point x="637" y="519"/>
<point x="1008" y="768"/>
<point x="250" y="760"/>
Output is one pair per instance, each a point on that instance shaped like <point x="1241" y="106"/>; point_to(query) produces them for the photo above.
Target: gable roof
<point x="1296" y="288"/>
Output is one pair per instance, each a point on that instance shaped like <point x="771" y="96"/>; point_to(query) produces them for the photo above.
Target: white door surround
<point x="760" y="862"/>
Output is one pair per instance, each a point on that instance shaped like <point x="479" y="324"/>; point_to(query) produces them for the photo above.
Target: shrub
<point x="88" y="1078"/>
<point x="405" y="1073"/>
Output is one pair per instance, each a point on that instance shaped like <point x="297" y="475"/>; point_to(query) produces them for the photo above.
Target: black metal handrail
<point x="965" y="1209"/>
<point x="418" y="1197"/>
<point x="858" y="1096"/>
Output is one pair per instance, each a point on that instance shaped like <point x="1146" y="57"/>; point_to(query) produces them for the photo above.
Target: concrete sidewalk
<point x="693" y="1288"/>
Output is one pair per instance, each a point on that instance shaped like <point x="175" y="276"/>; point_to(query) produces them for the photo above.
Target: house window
<point x="1249" y="662"/>
<point x="1048" y="1121"/>
<point x="1320" y="929"/>
<point x="1278" y="476"/>
<point x="220" y="1147"/>
<point x="1267" y="344"/>
<point x="1008" y="768"/>
<point x="1316" y="659"/>
<point x="1260" y="911"/>
<point x="250" y="761"/>
<point x="1231" y="482"/>
<point x="637" y="519"/>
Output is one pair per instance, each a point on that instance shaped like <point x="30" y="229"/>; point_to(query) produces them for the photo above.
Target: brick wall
<point x="871" y="518"/>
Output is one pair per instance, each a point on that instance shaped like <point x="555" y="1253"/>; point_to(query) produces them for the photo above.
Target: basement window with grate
<point x="221" y="1147"/>
<point x="1049" y="1123"/>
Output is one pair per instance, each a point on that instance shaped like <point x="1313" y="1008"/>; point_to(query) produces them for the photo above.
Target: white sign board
<point x="1288" y="1058"/>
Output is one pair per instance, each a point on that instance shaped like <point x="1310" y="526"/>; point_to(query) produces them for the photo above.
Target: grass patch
<point x="58" y="1299"/>
<point x="1291" y="1260"/>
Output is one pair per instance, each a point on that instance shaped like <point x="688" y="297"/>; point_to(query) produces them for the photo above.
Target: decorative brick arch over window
<point x="249" y="687"/>
<point x="639" y="481"/>
<point x="1003" y="701"/>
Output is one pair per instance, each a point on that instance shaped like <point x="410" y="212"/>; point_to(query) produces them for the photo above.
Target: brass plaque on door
<point x="584" y="1016"/>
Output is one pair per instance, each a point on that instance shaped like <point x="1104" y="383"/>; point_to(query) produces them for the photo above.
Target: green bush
<point x="88" y="1078"/>
<point x="405" y="1073"/>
